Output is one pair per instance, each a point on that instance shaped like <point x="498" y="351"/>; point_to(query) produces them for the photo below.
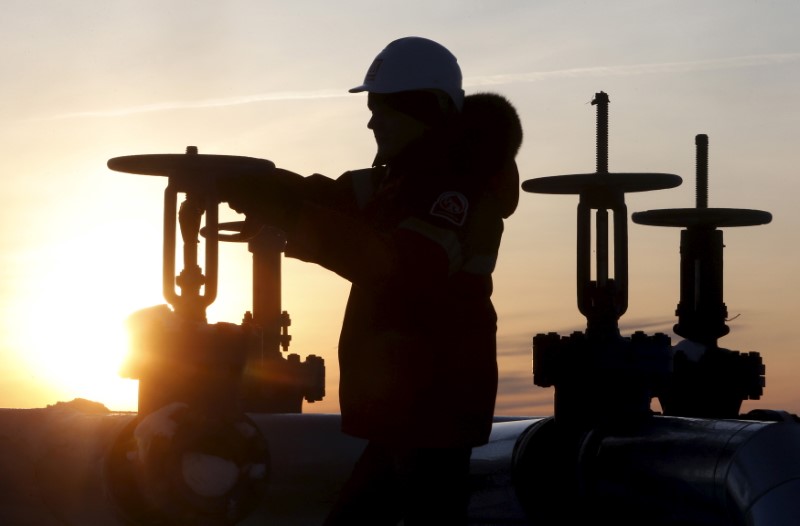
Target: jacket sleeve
<point x="442" y="236"/>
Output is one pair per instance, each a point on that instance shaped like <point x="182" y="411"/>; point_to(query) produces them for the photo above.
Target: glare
<point x="71" y="320"/>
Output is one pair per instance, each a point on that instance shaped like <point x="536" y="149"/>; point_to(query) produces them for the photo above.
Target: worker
<point x="417" y="235"/>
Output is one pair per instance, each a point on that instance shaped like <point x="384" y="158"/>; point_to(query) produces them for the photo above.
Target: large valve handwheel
<point x="168" y="164"/>
<point x="194" y="175"/>
<point x="702" y="217"/>
<point x="596" y="182"/>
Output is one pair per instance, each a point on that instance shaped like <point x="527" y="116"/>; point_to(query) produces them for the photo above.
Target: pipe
<point x="667" y="471"/>
<point x="61" y="466"/>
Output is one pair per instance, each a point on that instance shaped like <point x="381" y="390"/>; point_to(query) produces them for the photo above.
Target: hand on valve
<point x="271" y="197"/>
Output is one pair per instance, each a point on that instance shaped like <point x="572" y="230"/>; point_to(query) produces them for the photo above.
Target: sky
<point x="83" y="82"/>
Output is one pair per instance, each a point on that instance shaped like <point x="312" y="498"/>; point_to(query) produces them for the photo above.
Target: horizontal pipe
<point x="53" y="470"/>
<point x="670" y="470"/>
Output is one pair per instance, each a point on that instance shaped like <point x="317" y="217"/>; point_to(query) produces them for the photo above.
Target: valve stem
<point x="601" y="100"/>
<point x="701" y="170"/>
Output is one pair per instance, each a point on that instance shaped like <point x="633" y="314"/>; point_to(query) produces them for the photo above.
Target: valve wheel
<point x="168" y="164"/>
<point x="594" y="182"/>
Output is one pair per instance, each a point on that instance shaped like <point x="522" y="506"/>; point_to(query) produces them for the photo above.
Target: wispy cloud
<point x="518" y="396"/>
<point x="637" y="69"/>
<point x="206" y="103"/>
<point x="470" y="82"/>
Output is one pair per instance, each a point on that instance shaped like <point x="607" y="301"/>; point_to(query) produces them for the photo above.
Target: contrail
<point x="207" y="103"/>
<point x="638" y="69"/>
<point x="488" y="80"/>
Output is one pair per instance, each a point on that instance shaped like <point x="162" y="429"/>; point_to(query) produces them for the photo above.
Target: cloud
<point x="648" y="325"/>
<point x="206" y="103"/>
<point x="489" y="80"/>
<point x="637" y="69"/>
<point x="518" y="396"/>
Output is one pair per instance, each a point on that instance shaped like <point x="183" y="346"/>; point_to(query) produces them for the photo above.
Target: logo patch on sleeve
<point x="451" y="206"/>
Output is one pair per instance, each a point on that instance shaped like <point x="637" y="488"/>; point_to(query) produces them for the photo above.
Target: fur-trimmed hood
<point x="490" y="140"/>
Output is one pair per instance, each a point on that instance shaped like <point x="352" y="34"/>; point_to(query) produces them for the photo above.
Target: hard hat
<point x="412" y="64"/>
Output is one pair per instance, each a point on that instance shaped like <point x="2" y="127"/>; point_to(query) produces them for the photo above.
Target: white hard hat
<point x="412" y="64"/>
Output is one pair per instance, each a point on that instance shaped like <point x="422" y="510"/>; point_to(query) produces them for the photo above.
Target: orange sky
<point x="86" y="82"/>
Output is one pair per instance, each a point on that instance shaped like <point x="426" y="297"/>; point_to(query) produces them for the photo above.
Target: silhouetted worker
<point x="417" y="235"/>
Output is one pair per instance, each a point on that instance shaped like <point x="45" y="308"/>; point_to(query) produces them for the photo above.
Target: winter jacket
<point x="418" y="240"/>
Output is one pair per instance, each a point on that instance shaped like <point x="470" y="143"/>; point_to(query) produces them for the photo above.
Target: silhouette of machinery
<point x="198" y="381"/>
<point x="599" y="375"/>
<point x="251" y="352"/>
<point x="715" y="384"/>
<point x="604" y="451"/>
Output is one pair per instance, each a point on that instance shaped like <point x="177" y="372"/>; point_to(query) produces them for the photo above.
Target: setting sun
<point x="71" y="319"/>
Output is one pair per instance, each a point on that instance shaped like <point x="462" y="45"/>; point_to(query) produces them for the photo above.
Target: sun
<point x="71" y="318"/>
